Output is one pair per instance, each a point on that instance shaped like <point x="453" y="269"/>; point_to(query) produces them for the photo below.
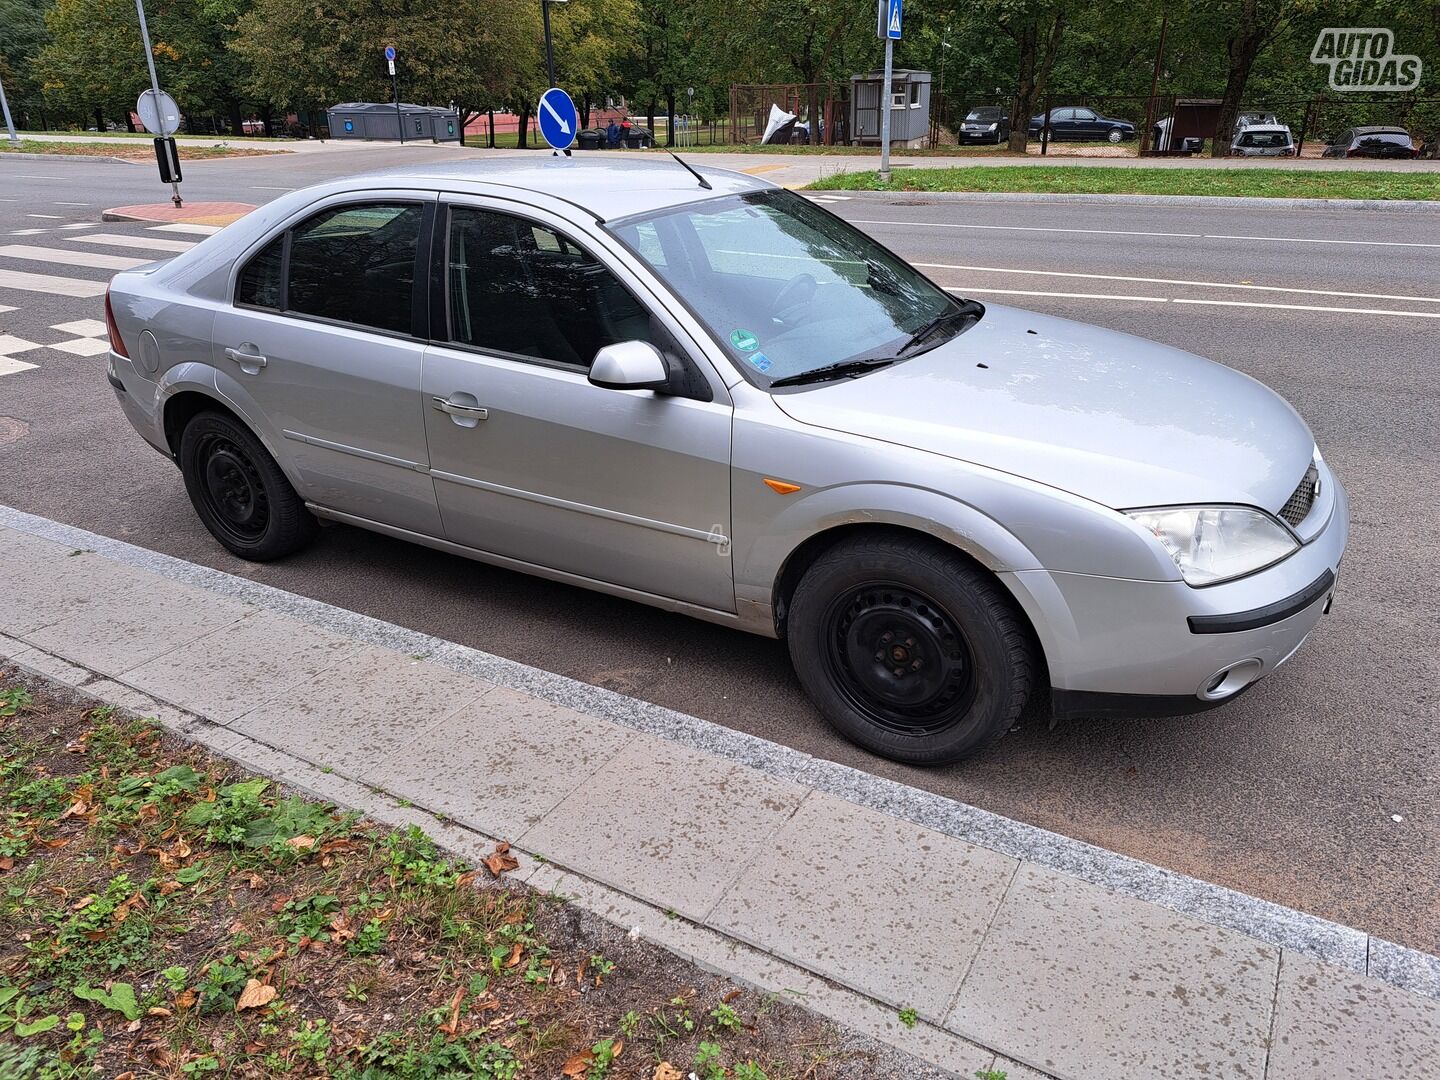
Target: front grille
<point x="1297" y="507"/>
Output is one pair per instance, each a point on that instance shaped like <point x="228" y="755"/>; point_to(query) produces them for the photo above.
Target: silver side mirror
<point x="630" y="365"/>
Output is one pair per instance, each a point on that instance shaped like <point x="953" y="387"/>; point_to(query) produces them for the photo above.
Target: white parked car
<point x="1263" y="140"/>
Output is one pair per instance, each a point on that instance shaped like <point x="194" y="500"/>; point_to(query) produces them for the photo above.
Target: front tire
<point x="239" y="492"/>
<point x="908" y="649"/>
<point x="1116" y="135"/>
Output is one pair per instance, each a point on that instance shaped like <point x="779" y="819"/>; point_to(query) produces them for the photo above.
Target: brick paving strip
<point x="750" y="859"/>
<point x="192" y="213"/>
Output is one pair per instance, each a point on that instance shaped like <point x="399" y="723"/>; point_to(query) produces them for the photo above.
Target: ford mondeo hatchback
<point x="698" y="391"/>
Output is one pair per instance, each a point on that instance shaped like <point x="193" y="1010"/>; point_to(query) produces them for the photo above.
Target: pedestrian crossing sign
<point x="891" y="12"/>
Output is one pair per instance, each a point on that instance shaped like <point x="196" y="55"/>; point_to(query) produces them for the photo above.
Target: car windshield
<point x="985" y="115"/>
<point x="1265" y="138"/>
<point x="788" y="289"/>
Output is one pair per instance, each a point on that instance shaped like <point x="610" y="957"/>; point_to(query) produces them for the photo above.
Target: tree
<point x="22" y="36"/>
<point x="470" y="52"/>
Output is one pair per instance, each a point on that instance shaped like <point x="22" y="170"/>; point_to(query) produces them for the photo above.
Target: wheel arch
<point x="183" y="405"/>
<point x="793" y="569"/>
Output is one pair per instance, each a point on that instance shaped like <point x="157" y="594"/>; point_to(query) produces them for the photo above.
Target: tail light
<point x="117" y="344"/>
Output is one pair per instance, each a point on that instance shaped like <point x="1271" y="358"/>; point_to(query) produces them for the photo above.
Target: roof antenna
<point x="703" y="182"/>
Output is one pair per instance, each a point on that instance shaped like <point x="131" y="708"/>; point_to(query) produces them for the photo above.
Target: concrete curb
<point x="920" y="198"/>
<point x="69" y="157"/>
<point x="1268" y="922"/>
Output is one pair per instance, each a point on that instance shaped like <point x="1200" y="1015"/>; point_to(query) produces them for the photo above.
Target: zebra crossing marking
<point x="68" y="257"/>
<point x="183" y="227"/>
<point x="49" y="283"/>
<point x="10" y="367"/>
<point x="155" y="243"/>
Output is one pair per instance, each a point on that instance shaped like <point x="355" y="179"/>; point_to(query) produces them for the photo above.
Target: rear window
<point x="1264" y="138"/>
<point x="1391" y="137"/>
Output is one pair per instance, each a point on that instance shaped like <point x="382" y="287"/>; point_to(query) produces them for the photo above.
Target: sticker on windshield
<point x="744" y="340"/>
<point x="759" y="361"/>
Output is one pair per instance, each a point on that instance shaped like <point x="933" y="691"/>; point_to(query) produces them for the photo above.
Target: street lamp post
<point x="549" y="44"/>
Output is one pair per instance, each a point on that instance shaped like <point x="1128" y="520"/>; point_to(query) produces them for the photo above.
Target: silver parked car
<point x="1263" y="140"/>
<point x="699" y="391"/>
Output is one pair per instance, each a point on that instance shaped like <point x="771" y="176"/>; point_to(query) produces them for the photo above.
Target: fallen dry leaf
<point x="731" y="996"/>
<point x="156" y="1010"/>
<point x="578" y="1064"/>
<point x="185" y="1000"/>
<point x="514" y="955"/>
<point x="6" y="862"/>
<point x="666" y="1071"/>
<point x="301" y="843"/>
<point x="255" y="995"/>
<point x="451" y="1027"/>
<point x="500" y="860"/>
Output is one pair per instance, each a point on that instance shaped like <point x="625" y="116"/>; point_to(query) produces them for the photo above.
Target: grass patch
<point x="166" y="915"/>
<point x="180" y="136"/>
<point x="137" y="152"/>
<point x="1091" y="180"/>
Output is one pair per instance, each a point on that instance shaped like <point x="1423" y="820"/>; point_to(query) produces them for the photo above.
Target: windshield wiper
<point x="844" y="369"/>
<point x="967" y="309"/>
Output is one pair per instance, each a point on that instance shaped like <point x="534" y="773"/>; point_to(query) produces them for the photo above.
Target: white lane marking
<point x="93" y="259"/>
<point x="1312" y="307"/>
<point x="1182" y="281"/>
<point x="263" y="187"/>
<point x="153" y="242"/>
<point x="10" y="345"/>
<point x="4" y="309"/>
<point x="1025" y="228"/>
<point x="38" y="176"/>
<point x="965" y="290"/>
<point x="10" y="367"/>
<point x="1141" y="232"/>
<point x="46" y="283"/>
<point x="1322" y="240"/>
<point x="28" y="232"/>
<point x="82" y="346"/>
<point x="81" y="225"/>
<point x="48" y="217"/>
<point x="181" y="227"/>
<point x="83" y="327"/>
<point x="72" y="204"/>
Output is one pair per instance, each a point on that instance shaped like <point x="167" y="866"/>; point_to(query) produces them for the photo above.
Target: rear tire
<point x="908" y="649"/>
<point x="239" y="492"/>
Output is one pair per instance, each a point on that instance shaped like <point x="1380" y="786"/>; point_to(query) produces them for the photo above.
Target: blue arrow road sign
<point x="558" y="118"/>
<point x="892" y="19"/>
<point x="389" y="52"/>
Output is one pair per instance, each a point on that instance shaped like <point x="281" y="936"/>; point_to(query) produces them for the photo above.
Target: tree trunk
<point x="267" y="120"/>
<point x="1033" y="77"/>
<point x="670" y="109"/>
<point x="237" y="119"/>
<point x="1243" y="46"/>
<point x="584" y="111"/>
<point x="99" y="119"/>
<point x="523" y="129"/>
<point x="490" y="138"/>
<point x="129" y="121"/>
<point x="650" y="117"/>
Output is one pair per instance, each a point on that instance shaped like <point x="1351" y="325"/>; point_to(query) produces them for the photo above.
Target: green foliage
<point x="908" y="1017"/>
<point x="110" y="932"/>
<point x="312" y="1041"/>
<point x="12" y="700"/>
<point x="17" y="1014"/>
<point x="748" y="1070"/>
<point x="240" y="817"/>
<point x="221" y="983"/>
<point x="708" y="1064"/>
<point x="990" y="1074"/>
<point x="726" y="1018"/>
<point x="119" y="998"/>
<point x="410" y="1057"/>
<point x="308" y="919"/>
<point x="413" y="859"/>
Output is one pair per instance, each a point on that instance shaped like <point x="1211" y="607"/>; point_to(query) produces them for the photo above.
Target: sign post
<point x="165" y="150"/>
<point x="395" y="90"/>
<point x="9" y="124"/>
<point x="889" y="13"/>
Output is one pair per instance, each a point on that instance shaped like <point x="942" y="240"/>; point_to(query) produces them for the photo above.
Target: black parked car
<point x="984" y="124"/>
<point x="1082" y="124"/>
<point x="1374" y="142"/>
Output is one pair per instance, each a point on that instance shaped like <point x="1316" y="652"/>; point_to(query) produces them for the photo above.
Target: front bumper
<point x="1110" y="637"/>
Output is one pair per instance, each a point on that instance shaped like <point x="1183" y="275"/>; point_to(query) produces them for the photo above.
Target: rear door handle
<point x="460" y="410"/>
<point x="250" y="362"/>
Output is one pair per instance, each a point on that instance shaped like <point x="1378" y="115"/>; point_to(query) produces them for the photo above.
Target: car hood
<point x="1110" y="417"/>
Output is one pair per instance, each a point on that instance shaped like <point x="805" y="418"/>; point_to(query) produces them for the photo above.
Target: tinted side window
<point x="356" y="264"/>
<point x="519" y="287"/>
<point x="260" y="280"/>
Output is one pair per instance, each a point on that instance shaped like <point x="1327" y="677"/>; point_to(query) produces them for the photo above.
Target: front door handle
<point x="460" y="411"/>
<point x="249" y="360"/>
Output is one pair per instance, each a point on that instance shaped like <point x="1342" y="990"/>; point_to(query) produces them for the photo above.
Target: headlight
<point x="993" y="127"/>
<point x="1211" y="544"/>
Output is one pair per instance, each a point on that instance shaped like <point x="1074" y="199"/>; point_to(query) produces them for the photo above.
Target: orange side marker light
<point x="780" y="487"/>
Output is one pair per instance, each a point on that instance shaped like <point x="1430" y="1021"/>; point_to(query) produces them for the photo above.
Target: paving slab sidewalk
<point x="1008" y="963"/>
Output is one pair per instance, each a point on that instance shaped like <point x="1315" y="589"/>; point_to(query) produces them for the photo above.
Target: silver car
<point x="699" y="391"/>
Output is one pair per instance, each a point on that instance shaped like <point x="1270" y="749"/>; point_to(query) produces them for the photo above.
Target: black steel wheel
<point x="909" y="649"/>
<point x="239" y="492"/>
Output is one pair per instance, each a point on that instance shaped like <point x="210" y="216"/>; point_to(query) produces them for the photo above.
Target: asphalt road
<point x="1318" y="789"/>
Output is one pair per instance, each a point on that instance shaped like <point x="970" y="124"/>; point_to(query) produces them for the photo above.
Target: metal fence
<point x="829" y="102"/>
